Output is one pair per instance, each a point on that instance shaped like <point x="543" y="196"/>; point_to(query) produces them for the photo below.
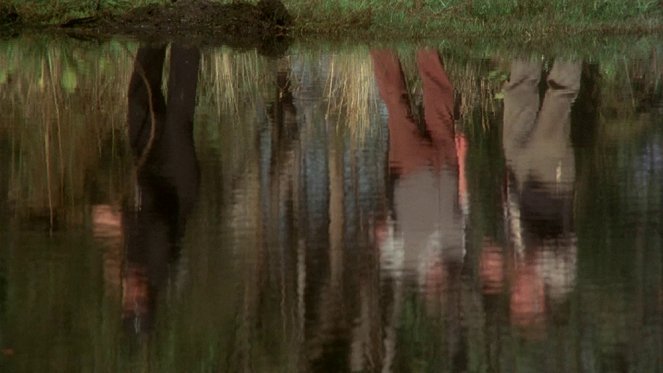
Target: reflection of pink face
<point x="527" y="302"/>
<point x="106" y="221"/>
<point x="491" y="269"/>
<point x="135" y="294"/>
<point x="380" y="231"/>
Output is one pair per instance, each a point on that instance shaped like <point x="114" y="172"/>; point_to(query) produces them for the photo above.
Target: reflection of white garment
<point x="428" y="217"/>
<point x="557" y="265"/>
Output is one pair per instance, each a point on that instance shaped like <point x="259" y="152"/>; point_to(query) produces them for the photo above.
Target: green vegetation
<point x="519" y="20"/>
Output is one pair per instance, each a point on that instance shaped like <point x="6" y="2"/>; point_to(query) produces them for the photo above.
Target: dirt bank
<point x="241" y="25"/>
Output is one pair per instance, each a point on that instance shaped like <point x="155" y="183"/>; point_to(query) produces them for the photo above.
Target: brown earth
<point x="8" y="20"/>
<point x="241" y="25"/>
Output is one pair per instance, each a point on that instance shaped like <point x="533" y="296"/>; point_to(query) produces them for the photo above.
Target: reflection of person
<point x="537" y="141"/>
<point x="161" y="136"/>
<point x="541" y="167"/>
<point x="425" y="165"/>
<point x="427" y="237"/>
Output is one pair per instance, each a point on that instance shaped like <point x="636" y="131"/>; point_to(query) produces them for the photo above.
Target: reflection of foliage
<point x="54" y="142"/>
<point x="351" y="92"/>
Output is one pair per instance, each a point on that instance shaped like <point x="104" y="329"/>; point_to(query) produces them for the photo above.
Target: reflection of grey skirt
<point x="428" y="216"/>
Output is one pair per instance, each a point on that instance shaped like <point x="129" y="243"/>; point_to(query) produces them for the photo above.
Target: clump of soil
<point x="202" y="21"/>
<point x="10" y="21"/>
<point x="8" y="15"/>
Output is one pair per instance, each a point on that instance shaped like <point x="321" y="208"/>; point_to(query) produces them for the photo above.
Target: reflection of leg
<point x="438" y="98"/>
<point x="407" y="149"/>
<point x="391" y="84"/>
<point x="137" y="302"/>
<point x="527" y="301"/>
<point x="146" y="109"/>
<point x="182" y="84"/>
<point x="148" y="65"/>
<point x="145" y="100"/>
<point x="438" y="105"/>
<point x="177" y="148"/>
<point x="283" y="111"/>
<point x="549" y="150"/>
<point x="167" y="173"/>
<point x="565" y="76"/>
<point x="521" y="103"/>
<point x="563" y="86"/>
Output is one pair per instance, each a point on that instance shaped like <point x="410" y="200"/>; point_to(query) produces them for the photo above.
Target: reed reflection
<point x="539" y="193"/>
<point x="161" y="137"/>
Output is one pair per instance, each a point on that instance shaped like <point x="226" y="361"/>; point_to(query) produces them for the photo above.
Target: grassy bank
<point x="521" y="20"/>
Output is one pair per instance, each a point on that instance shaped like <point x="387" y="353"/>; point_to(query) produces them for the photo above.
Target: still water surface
<point x="170" y="209"/>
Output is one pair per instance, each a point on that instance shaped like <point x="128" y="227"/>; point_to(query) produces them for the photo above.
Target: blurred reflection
<point x="539" y="197"/>
<point x="161" y="136"/>
<point x="107" y="228"/>
<point x="308" y="253"/>
<point x="423" y="164"/>
<point x="426" y="238"/>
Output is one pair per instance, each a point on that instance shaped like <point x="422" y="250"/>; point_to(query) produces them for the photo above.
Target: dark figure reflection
<point x="539" y="191"/>
<point x="428" y="201"/>
<point x="161" y="136"/>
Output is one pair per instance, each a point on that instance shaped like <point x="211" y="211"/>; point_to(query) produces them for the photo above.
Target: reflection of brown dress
<point x="426" y="192"/>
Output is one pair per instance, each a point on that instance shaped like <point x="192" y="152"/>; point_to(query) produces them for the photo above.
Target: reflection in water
<point x="426" y="238"/>
<point x="322" y="224"/>
<point x="161" y="136"/>
<point x="540" y="182"/>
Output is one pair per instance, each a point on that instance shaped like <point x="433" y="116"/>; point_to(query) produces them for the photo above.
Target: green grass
<point x="521" y="20"/>
<point x="516" y="19"/>
<point x="54" y="12"/>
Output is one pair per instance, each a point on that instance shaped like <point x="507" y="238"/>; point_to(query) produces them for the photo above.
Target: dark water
<point x="170" y="209"/>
